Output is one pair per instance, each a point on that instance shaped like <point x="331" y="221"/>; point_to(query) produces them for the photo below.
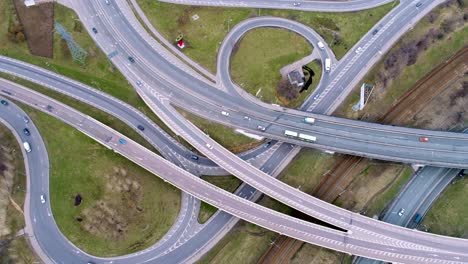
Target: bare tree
<point x="286" y="90"/>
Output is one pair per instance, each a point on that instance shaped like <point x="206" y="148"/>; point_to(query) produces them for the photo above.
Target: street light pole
<point x="229" y="20"/>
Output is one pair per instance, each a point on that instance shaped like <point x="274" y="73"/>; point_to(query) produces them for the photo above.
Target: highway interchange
<point x="176" y="123"/>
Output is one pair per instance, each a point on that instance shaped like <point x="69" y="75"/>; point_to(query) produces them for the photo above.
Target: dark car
<point x="141" y="127"/>
<point x="4" y="102"/>
<point x="375" y="31"/>
<point x="94" y="30"/>
<point x="419" y="4"/>
<point x="26" y="132"/>
<point x="194" y="157"/>
<point x="131" y="59"/>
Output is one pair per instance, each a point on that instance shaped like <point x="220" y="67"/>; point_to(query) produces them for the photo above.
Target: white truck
<point x="308" y="138"/>
<point x="289" y="133"/>
<point x="327" y="64"/>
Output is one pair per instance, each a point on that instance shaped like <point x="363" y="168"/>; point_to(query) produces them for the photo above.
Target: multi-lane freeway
<point x="338" y="240"/>
<point x="173" y="82"/>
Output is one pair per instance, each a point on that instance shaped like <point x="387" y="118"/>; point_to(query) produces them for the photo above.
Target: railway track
<point x="336" y="180"/>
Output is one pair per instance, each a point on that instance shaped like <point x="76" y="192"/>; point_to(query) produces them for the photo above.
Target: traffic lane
<point x="322" y="6"/>
<point x="425" y="180"/>
<point x="383" y="145"/>
<point x="412" y="137"/>
<point x="404" y="148"/>
<point x="430" y="198"/>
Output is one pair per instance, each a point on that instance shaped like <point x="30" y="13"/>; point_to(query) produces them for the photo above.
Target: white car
<point x="316" y="96"/>
<point x="246" y="118"/>
<point x="209" y="146"/>
<point x="224" y="113"/>
<point x="401" y="212"/>
<point x="320" y="45"/>
<point x="358" y="50"/>
<point x="42" y="198"/>
<point x="296" y="4"/>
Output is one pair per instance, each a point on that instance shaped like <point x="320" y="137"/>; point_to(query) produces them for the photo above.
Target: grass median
<point x="123" y="207"/>
<point x="449" y="214"/>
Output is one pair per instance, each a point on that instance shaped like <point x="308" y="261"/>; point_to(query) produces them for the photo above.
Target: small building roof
<point x="296" y="78"/>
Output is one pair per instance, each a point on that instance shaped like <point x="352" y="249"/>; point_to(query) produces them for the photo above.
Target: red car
<point x="423" y="139"/>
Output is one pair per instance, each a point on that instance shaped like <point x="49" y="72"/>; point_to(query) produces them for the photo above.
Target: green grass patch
<point x="437" y="52"/>
<point x="97" y="72"/>
<point x="449" y="214"/>
<point x="387" y="196"/>
<point x="144" y="207"/>
<point x="307" y="169"/>
<point x="260" y="55"/>
<point x="227" y="183"/>
<point x="245" y="242"/>
<point x="340" y="30"/>
<point x="225" y="136"/>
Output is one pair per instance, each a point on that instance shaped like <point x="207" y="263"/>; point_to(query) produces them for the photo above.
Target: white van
<point x="320" y="45"/>
<point x="27" y="147"/>
<point x="327" y="64"/>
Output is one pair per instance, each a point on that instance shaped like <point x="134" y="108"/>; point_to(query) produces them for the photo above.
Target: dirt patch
<point x="38" y="23"/>
<point x="316" y="255"/>
<point x="110" y="216"/>
<point x="380" y="174"/>
<point x="448" y="110"/>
